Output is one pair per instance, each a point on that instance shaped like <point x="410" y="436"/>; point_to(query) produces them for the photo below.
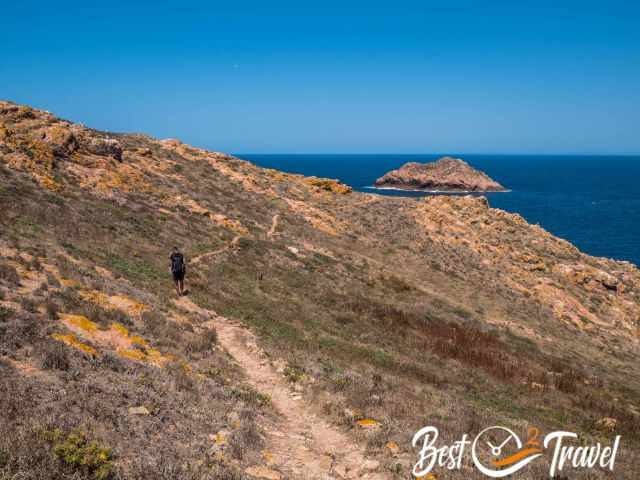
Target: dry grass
<point x="9" y="274"/>
<point x="247" y="437"/>
<point x="201" y="343"/>
<point x="52" y="355"/>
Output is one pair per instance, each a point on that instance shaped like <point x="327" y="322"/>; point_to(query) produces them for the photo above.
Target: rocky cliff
<point x="444" y="175"/>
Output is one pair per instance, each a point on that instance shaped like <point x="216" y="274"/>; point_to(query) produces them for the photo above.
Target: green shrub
<point x="81" y="454"/>
<point x="293" y="373"/>
<point x="250" y="395"/>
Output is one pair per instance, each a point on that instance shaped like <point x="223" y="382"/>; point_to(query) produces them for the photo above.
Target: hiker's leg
<point x="181" y="283"/>
<point x="177" y="285"/>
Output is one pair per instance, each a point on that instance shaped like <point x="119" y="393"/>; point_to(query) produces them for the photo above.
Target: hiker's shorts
<point x="177" y="276"/>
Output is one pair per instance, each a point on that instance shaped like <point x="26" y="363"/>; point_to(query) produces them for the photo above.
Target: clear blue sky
<point x="336" y="76"/>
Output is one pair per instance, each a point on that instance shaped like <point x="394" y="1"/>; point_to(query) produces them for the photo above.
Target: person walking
<point x="178" y="270"/>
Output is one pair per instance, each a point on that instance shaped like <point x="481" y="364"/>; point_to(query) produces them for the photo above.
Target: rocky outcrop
<point x="444" y="175"/>
<point x="328" y="185"/>
<point x="106" y="147"/>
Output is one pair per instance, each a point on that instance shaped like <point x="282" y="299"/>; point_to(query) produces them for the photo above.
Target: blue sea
<point x="592" y="201"/>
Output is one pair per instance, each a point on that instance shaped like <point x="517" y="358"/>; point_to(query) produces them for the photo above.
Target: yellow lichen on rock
<point x="124" y="333"/>
<point x="129" y="305"/>
<point x="137" y="340"/>
<point x="124" y="178"/>
<point x="147" y="355"/>
<point x="220" y="438"/>
<point x="124" y="303"/>
<point x="69" y="283"/>
<point x="79" y="321"/>
<point x="368" y="423"/>
<point x="94" y="296"/>
<point x="50" y="183"/>
<point x="155" y="356"/>
<point x="392" y="447"/>
<point x="117" y="337"/>
<point x="71" y="340"/>
<point x="132" y="354"/>
<point x="328" y="185"/>
<point x="121" y="329"/>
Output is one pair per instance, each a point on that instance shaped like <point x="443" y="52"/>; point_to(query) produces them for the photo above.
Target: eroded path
<point x="274" y="226"/>
<point x="301" y="444"/>
<point x="204" y="256"/>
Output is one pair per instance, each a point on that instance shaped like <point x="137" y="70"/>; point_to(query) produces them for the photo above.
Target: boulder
<point x="607" y="424"/>
<point x="105" y="147"/>
<point x="61" y="139"/>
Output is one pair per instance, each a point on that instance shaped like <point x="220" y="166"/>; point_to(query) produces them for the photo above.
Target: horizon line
<point x="448" y="154"/>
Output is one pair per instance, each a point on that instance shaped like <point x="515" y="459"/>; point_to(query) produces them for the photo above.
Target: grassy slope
<point x="393" y="320"/>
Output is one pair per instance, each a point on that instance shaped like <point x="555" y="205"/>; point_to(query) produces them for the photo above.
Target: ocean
<point x="592" y="201"/>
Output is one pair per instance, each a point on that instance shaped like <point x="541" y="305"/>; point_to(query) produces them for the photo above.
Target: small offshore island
<point x="446" y="174"/>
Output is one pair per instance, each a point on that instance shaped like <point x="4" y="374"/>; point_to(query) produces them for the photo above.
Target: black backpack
<point x="177" y="263"/>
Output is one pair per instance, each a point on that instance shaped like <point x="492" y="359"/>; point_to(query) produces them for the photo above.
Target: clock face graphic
<point x="498" y="452"/>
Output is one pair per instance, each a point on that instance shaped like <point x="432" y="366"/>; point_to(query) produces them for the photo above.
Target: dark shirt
<point x="177" y="262"/>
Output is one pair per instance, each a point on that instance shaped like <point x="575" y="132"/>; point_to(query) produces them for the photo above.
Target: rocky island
<point x="445" y="175"/>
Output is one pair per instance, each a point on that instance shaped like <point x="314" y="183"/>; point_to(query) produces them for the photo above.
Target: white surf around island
<point x="421" y="190"/>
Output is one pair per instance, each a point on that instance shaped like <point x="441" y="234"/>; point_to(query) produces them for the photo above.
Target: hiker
<point x="178" y="269"/>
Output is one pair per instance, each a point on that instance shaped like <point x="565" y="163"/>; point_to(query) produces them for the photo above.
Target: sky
<point x="336" y="76"/>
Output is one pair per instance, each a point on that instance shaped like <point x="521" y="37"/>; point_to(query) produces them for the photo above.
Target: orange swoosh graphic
<point x="515" y="457"/>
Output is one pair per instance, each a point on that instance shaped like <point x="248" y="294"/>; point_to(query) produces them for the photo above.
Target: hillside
<point x="321" y="330"/>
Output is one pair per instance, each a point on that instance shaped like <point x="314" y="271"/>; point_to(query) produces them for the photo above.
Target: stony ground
<point x="321" y="329"/>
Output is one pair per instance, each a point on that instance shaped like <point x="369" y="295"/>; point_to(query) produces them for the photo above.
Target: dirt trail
<point x="199" y="258"/>
<point x="274" y="226"/>
<point x="300" y="444"/>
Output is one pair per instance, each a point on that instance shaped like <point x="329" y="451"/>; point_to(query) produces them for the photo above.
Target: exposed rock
<point x="329" y="185"/>
<point x="145" y="152"/>
<point x="590" y="277"/>
<point x="608" y="424"/>
<point x="445" y="175"/>
<point x="368" y="424"/>
<point x="16" y="113"/>
<point x="392" y="447"/>
<point x="233" y="418"/>
<point x="142" y="410"/>
<point x="370" y="465"/>
<point x="263" y="472"/>
<point x="350" y="414"/>
<point x="341" y="471"/>
<point x="107" y="147"/>
<point x="61" y="139"/>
